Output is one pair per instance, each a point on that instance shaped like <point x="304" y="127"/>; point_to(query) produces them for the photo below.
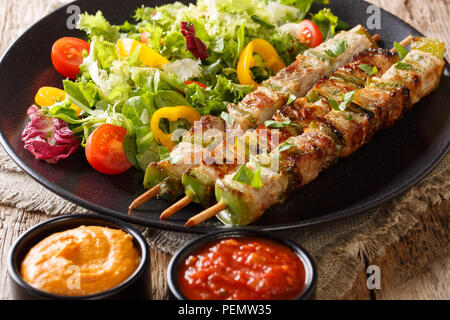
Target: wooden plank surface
<point x="416" y="267"/>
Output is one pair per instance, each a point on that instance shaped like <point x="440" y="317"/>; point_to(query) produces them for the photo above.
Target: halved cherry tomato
<point x="67" y="56"/>
<point x="309" y="34"/>
<point x="104" y="150"/>
<point x="196" y="82"/>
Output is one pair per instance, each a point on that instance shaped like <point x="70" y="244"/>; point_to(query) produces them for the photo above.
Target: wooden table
<point x="416" y="267"/>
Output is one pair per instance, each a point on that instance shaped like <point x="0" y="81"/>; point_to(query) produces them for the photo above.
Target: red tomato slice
<point x="196" y="82"/>
<point x="309" y="34"/>
<point x="67" y="55"/>
<point x="104" y="150"/>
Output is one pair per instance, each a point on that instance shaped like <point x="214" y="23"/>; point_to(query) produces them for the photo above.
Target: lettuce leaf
<point x="303" y="5"/>
<point x="84" y="94"/>
<point x="213" y="100"/>
<point x="97" y="26"/>
<point x="117" y="90"/>
<point x="328" y="23"/>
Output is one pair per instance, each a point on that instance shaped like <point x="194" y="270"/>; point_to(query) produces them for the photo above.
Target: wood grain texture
<point x="431" y="17"/>
<point x="417" y="267"/>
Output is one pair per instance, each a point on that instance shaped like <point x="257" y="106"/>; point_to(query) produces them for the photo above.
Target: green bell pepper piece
<point x="171" y="188"/>
<point x="198" y="191"/>
<point x="153" y="176"/>
<point x="433" y="46"/>
<point x="237" y="212"/>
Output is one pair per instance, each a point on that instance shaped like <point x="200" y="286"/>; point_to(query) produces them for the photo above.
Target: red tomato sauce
<point x="242" y="269"/>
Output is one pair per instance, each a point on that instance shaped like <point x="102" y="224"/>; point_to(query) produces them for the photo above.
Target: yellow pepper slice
<point x="171" y="114"/>
<point x="148" y="56"/>
<point x="247" y="61"/>
<point x="48" y="96"/>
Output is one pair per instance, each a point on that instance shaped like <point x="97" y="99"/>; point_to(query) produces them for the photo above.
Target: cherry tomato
<point x="104" y="150"/>
<point x="67" y="55"/>
<point x="196" y="82"/>
<point x="309" y="33"/>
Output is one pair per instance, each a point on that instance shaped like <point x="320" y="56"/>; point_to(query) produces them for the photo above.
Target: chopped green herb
<point x="339" y="49"/>
<point x="282" y="147"/>
<point x="285" y="146"/>
<point x="401" y="51"/>
<point x="349" y="117"/>
<point x="227" y="117"/>
<point x="246" y="176"/>
<point x="403" y="66"/>
<point x="367" y="68"/>
<point x="346" y="99"/>
<point x="334" y="104"/>
<point x="279" y="124"/>
<point x="291" y="99"/>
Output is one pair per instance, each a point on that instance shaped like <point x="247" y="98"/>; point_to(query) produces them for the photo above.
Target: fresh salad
<point x="130" y="86"/>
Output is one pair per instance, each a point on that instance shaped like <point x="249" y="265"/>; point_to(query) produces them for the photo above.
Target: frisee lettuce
<point x="123" y="92"/>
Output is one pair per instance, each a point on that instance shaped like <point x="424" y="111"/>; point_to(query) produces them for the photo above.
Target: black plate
<point x="394" y="161"/>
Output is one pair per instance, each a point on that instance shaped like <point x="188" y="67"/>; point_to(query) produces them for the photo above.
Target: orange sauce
<point x="81" y="261"/>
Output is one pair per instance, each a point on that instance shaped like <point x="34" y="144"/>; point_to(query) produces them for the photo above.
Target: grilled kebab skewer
<point x="164" y="178"/>
<point x="199" y="181"/>
<point x="335" y="135"/>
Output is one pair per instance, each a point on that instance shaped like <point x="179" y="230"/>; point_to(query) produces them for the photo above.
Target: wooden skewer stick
<point x="144" y="198"/>
<point x="206" y="214"/>
<point x="175" y="208"/>
<point x="404" y="43"/>
<point x="184" y="202"/>
<point x="212" y="211"/>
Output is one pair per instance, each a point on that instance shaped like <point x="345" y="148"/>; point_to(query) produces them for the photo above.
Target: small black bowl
<point x="174" y="266"/>
<point x="137" y="286"/>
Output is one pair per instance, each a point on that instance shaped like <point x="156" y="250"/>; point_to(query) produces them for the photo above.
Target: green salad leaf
<point x="97" y="26"/>
<point x="124" y="92"/>
<point x="328" y="23"/>
<point x="303" y="5"/>
<point x="84" y="94"/>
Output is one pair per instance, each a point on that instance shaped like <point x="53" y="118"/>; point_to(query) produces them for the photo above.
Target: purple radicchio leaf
<point x="47" y="138"/>
<point x="193" y="44"/>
